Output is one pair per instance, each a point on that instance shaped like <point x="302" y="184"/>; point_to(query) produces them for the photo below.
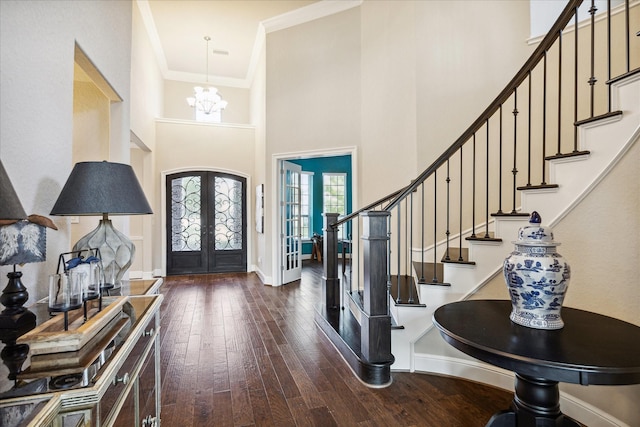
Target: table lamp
<point x="22" y="240"/>
<point x="15" y="294"/>
<point x="104" y="188"/>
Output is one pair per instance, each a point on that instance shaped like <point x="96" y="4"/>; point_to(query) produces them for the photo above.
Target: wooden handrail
<point x="366" y="208"/>
<point x="521" y="75"/>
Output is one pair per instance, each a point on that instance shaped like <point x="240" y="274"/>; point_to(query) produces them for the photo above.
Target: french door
<point x="290" y="221"/>
<point x="206" y="223"/>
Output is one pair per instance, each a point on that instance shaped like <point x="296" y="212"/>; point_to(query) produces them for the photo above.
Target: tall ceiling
<point x="237" y="29"/>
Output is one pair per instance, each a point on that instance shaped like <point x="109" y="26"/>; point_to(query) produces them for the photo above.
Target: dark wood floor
<point x="237" y="353"/>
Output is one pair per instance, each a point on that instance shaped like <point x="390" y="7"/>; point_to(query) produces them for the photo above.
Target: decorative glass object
<point x="95" y="280"/>
<point x="65" y="291"/>
<point x="537" y="277"/>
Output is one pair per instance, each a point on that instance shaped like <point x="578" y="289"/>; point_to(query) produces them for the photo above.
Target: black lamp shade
<point x="10" y="206"/>
<point x="97" y="188"/>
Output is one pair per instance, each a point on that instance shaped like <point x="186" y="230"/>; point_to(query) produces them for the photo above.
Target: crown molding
<point x="308" y="13"/>
<point x="305" y="14"/>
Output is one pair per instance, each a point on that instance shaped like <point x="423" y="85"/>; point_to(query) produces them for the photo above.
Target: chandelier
<point x="207" y="99"/>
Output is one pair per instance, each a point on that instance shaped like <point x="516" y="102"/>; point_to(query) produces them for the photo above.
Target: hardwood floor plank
<point x="307" y="389"/>
<point x="354" y="405"/>
<point x="234" y="352"/>
<point x="301" y="413"/>
<point x="222" y="410"/>
<point x="203" y="407"/>
<point x="287" y="383"/>
<point x="322" y="417"/>
<point x="260" y="406"/>
<point x="241" y="404"/>
<point x="220" y="377"/>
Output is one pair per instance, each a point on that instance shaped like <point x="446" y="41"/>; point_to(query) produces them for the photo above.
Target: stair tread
<point x="511" y="214"/>
<point x="537" y="186"/>
<point x="457" y="256"/>
<point x="567" y="155"/>
<point x="600" y="117"/>
<point x="484" y="237"/>
<point x="408" y="291"/>
<point x="429" y="273"/>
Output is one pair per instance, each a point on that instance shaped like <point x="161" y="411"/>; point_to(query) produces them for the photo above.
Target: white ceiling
<point x="177" y="29"/>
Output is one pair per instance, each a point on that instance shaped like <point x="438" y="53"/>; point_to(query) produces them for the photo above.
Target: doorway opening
<point x="307" y="186"/>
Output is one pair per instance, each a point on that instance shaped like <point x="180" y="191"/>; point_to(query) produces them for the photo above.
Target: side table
<point x="590" y="349"/>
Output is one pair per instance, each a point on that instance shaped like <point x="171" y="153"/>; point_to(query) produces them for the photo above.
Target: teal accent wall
<point x="320" y="165"/>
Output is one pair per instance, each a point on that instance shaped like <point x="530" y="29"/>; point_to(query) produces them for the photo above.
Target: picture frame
<point x="260" y="208"/>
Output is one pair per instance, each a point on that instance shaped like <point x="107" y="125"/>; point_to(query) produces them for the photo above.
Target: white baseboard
<point x="135" y="275"/>
<point x="266" y="280"/>
<point x="144" y="275"/>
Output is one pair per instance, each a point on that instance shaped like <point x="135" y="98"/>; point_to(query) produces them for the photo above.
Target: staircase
<point x="444" y="237"/>
<point x="606" y="141"/>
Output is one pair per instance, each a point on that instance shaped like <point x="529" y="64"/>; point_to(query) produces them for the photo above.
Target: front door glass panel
<point x="228" y="214"/>
<point x="186" y="224"/>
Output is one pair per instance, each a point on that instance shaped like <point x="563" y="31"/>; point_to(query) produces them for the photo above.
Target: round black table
<point x="590" y="349"/>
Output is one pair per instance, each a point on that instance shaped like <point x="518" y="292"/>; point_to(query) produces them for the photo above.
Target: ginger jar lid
<point x="535" y="234"/>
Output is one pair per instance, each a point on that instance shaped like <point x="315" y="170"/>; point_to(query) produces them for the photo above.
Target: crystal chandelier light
<point x="207" y="99"/>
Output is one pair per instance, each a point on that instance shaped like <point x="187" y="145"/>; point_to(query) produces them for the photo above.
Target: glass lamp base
<point x="116" y="250"/>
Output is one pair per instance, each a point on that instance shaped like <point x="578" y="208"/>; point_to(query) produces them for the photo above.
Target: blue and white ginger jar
<point x="537" y="277"/>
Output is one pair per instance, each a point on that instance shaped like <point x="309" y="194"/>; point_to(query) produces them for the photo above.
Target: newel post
<point x="331" y="289"/>
<point x="376" y="323"/>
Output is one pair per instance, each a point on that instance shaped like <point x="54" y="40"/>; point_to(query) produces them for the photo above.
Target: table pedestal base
<point x="536" y="404"/>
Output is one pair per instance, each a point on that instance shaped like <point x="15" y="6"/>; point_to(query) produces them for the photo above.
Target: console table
<point x="590" y="349"/>
<point x="125" y="390"/>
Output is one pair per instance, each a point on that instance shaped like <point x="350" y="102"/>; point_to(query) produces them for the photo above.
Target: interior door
<point x="206" y="223"/>
<point x="290" y="231"/>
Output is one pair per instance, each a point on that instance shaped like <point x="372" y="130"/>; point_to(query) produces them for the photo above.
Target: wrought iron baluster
<point x="529" y="135"/>
<point x="609" y="55"/>
<point x="460" y="215"/>
<point x="575" y="82"/>
<point x="422" y="279"/>
<point x="544" y="112"/>
<point x="355" y="265"/>
<point x="435" y="226"/>
<point x="389" y="282"/>
<point x="473" y="188"/>
<point x="410" y="250"/>
<point x="559" y="94"/>
<point x="592" y="80"/>
<point x="499" y="170"/>
<point x="486" y="206"/>
<point x="627" y="33"/>
<point x="399" y="247"/>
<point x="515" y="145"/>
<point x="448" y="232"/>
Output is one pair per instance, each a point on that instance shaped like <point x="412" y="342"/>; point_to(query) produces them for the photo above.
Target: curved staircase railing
<point x="401" y="241"/>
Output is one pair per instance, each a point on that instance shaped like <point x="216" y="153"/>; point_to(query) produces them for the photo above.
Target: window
<point x="334" y="194"/>
<point x="306" y="204"/>
<point x="334" y="189"/>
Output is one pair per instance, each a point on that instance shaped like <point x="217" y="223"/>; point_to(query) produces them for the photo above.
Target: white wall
<point x="466" y="54"/>
<point x="37" y="41"/>
<point x="147" y="97"/>
<point x="312" y="98"/>
<point x="184" y="145"/>
<point x="257" y="119"/>
<point x="399" y="81"/>
<point x="388" y="98"/>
